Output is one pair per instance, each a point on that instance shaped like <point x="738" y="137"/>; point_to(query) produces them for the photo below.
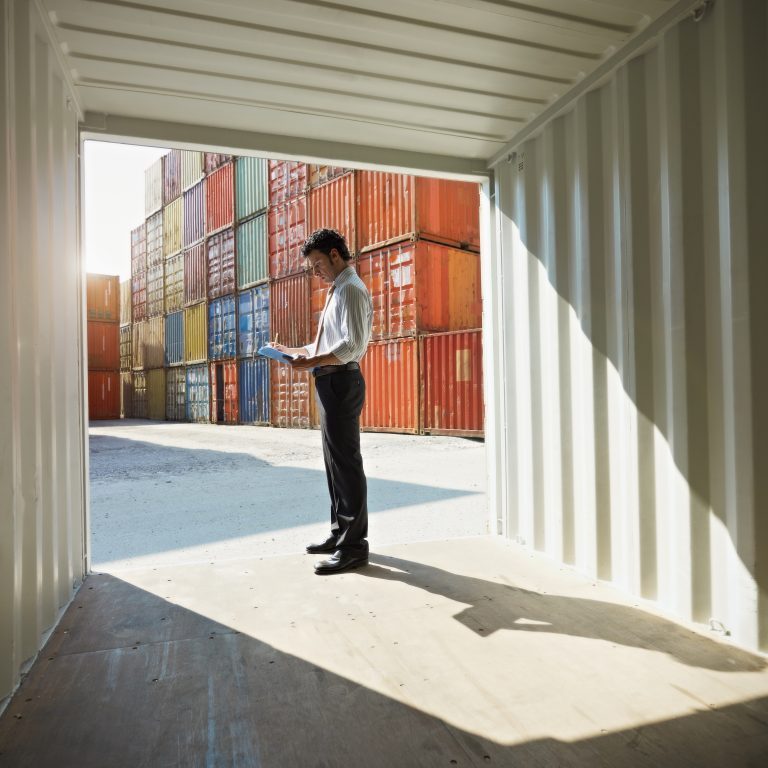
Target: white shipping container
<point x="153" y="188"/>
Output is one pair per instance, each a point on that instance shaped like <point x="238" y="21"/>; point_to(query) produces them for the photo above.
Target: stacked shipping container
<point x="103" y="340"/>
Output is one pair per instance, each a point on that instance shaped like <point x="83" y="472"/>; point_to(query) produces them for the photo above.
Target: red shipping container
<point x="103" y="346"/>
<point x="195" y="274"/>
<point x="221" y="264"/>
<point x="103" y="395"/>
<point x="292" y="401"/>
<point x="452" y="389"/>
<point x="393" y="207"/>
<point x="287" y="231"/>
<point x="289" y="310"/>
<point x="224" y="389"/>
<point x="139" y="249"/>
<point x="214" y="160"/>
<point x="220" y="199"/>
<point x="332" y="205"/>
<point x="391" y="373"/>
<point x="287" y="180"/>
<point x="139" y="297"/>
<point x="103" y="297"/>
<point x="171" y="176"/>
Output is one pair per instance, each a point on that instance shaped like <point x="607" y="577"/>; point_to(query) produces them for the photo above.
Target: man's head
<point x="327" y="254"/>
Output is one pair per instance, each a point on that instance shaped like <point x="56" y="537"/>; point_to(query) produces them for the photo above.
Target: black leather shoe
<point x="329" y="545"/>
<point x="340" y="561"/>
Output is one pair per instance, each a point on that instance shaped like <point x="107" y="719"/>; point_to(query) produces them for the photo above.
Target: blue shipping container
<point x="253" y="382"/>
<point x="222" y="329"/>
<point x="174" y="338"/>
<point x="198" y="395"/>
<point x="253" y="320"/>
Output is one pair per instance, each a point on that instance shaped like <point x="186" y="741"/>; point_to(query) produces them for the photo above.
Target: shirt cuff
<point x="343" y="352"/>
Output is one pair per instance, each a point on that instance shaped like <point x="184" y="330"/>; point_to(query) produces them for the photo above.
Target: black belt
<point x="324" y="370"/>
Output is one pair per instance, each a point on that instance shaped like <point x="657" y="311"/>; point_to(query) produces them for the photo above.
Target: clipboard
<point x="276" y="354"/>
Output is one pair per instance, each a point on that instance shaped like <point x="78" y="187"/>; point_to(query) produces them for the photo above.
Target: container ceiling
<point x="457" y="78"/>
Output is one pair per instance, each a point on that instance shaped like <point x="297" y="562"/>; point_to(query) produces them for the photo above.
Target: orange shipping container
<point x="287" y="180"/>
<point x="103" y="395"/>
<point x="292" y="400"/>
<point x="422" y="286"/>
<point x="103" y="346"/>
<point x="224" y="399"/>
<point x="287" y="225"/>
<point x="220" y="199"/>
<point x="393" y="207"/>
<point x="289" y="310"/>
<point x="452" y="390"/>
<point x="103" y="297"/>
<point x="391" y="372"/>
<point x="332" y="205"/>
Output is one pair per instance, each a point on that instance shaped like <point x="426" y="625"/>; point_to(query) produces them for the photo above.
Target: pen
<point x="277" y="336"/>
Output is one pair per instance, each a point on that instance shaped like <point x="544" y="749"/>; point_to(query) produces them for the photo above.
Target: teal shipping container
<point x="253" y="382"/>
<point x="252" y="320"/>
<point x="222" y="329"/>
<point x="251" y="189"/>
<point x="198" y="394"/>
<point x="174" y="338"/>
<point x="252" y="253"/>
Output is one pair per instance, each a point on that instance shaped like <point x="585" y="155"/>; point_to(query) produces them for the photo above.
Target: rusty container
<point x="155" y="239"/>
<point x="103" y="395"/>
<point x="219" y="199"/>
<point x="171" y="176"/>
<point x="287" y="230"/>
<point x="173" y="286"/>
<point x="332" y="205"/>
<point x="139" y="297"/>
<point x="391" y="372"/>
<point x="214" y="160"/>
<point x="126" y="395"/>
<point x="176" y="394"/>
<point x="195" y="333"/>
<point x="287" y="180"/>
<point x="452" y="383"/>
<point x="320" y="174"/>
<point x="292" y="401"/>
<point x="290" y="311"/>
<point x="221" y="263"/>
<point x="125" y="302"/>
<point x="393" y="207"/>
<point x="103" y="346"/>
<point x="139" y="403"/>
<point x="148" y="343"/>
<point x="224" y="392"/>
<point x="198" y="394"/>
<point x="194" y="215"/>
<point x="422" y="286"/>
<point x="103" y="297"/>
<point x="126" y="343"/>
<point x="139" y="249"/>
<point x="156" y="290"/>
<point x="195" y="274"/>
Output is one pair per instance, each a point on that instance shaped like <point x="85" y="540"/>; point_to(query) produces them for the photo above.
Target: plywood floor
<point x="455" y="653"/>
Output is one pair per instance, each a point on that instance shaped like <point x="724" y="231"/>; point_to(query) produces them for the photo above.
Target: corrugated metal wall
<point x="42" y="447"/>
<point x="632" y="239"/>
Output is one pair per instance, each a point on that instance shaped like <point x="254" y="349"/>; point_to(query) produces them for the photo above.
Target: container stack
<point x="126" y="358"/>
<point x="103" y="339"/>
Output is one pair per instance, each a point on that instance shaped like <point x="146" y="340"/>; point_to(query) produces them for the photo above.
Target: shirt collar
<point x="344" y="276"/>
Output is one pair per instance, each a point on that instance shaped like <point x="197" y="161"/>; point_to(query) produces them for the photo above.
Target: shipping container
<point x="422" y="286"/>
<point x="290" y="310"/>
<point x="174" y="283"/>
<point x="195" y="333"/>
<point x="173" y="227"/>
<point x="103" y="297"/>
<point x="155" y="244"/>
<point x="125" y="302"/>
<point x="103" y="395"/>
<point x="251" y="189"/>
<point x="253" y="381"/>
<point x="171" y="176"/>
<point x="393" y="207"/>
<point x="194" y="215"/>
<point x="191" y="168"/>
<point x="332" y="206"/>
<point x="139" y="403"/>
<point x="153" y="188"/>
<point x="126" y="344"/>
<point x="287" y="223"/>
<point x="155" y="290"/>
<point x="103" y="346"/>
<point x="222" y="328"/>
<point x="452" y="383"/>
<point x="139" y="297"/>
<point x="139" y="249"/>
<point x="174" y="338"/>
<point x="156" y="394"/>
<point x="219" y="199"/>
<point x="148" y="343"/>
<point x="214" y="160"/>
<point x="221" y="263"/>
<point x="252" y="320"/>
<point x="252" y="252"/>
<point x="198" y="394"/>
<point x="319" y="174"/>
<point x="195" y="274"/>
<point x="391" y="372"/>
<point x="292" y="401"/>
<point x="287" y="180"/>
<point x="176" y="394"/>
<point x="126" y="395"/>
<point x="224" y="392"/>
<point x="138" y="344"/>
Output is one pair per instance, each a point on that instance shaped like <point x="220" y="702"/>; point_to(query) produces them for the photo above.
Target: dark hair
<point x="325" y="240"/>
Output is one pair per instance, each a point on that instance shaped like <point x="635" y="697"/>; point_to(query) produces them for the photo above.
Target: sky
<point x="114" y="203"/>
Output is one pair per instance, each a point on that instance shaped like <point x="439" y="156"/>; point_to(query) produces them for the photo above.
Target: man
<point x="334" y="359"/>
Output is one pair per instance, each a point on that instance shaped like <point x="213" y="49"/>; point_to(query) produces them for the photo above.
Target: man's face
<point x="324" y="266"/>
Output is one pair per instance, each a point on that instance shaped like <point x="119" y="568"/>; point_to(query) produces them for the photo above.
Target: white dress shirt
<point x="347" y="320"/>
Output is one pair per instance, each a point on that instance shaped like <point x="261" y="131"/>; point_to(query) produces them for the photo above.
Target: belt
<point x="324" y="370"/>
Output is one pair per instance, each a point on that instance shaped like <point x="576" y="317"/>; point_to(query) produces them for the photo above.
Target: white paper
<point x="276" y="354"/>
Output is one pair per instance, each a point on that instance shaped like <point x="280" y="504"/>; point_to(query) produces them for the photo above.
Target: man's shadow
<point x="492" y="607"/>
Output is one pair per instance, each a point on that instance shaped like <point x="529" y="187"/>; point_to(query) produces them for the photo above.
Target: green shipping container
<point x="251" y="191"/>
<point x="252" y="254"/>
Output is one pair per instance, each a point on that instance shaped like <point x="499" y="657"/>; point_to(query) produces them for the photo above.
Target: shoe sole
<point x="328" y="571"/>
<point x="313" y="551"/>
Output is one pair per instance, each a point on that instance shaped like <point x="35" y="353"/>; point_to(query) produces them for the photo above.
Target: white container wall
<point x="42" y="436"/>
<point x="633" y="369"/>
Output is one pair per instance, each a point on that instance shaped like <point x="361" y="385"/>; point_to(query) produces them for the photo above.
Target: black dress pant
<point x="340" y="398"/>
